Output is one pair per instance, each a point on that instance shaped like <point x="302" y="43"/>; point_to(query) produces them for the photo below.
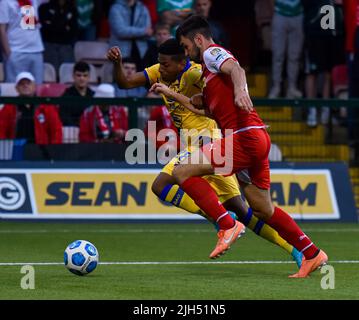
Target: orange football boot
<point x="226" y="238"/>
<point x="311" y="265"/>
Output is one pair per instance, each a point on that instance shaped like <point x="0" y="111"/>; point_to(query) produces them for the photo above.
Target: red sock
<point x="290" y="231"/>
<point x="205" y="197"/>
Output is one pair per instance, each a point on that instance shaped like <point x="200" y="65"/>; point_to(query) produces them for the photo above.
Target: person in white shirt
<point x="21" y="39"/>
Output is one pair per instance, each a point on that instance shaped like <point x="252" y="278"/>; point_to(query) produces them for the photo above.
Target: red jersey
<point x="218" y="93"/>
<point x="163" y="120"/>
<point x="48" y="126"/>
<point x="94" y="127"/>
<point x="351" y="20"/>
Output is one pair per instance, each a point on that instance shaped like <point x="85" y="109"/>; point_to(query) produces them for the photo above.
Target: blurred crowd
<point x="314" y="47"/>
<point x="309" y="57"/>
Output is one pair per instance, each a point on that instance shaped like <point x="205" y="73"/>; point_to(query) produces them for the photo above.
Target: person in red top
<point x="104" y="123"/>
<point x="37" y="124"/>
<point x="163" y="121"/>
<point x="245" y="146"/>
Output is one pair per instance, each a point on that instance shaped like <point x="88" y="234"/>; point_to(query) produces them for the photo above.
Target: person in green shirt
<point x="87" y="28"/>
<point x="173" y="12"/>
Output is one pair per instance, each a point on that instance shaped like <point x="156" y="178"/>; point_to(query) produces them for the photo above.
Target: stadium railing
<point x="139" y="102"/>
<point x="286" y="119"/>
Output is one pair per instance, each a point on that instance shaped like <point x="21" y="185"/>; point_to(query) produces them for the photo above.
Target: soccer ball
<point x="81" y="257"/>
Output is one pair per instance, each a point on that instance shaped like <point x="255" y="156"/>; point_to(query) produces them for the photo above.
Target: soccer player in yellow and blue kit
<point x="185" y="77"/>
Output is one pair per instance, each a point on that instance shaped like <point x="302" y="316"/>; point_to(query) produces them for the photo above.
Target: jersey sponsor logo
<point x="14" y="195"/>
<point x="220" y="57"/>
<point x="215" y="51"/>
<point x="183" y="155"/>
<point x="177" y="120"/>
<point x="41" y="118"/>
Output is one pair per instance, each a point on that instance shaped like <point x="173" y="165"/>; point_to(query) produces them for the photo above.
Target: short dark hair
<point x="171" y="47"/>
<point x="129" y="60"/>
<point x="193" y="25"/>
<point x="81" y="66"/>
<point x="162" y="26"/>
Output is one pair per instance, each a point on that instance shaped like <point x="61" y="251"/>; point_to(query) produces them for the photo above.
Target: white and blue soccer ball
<point x="81" y="257"/>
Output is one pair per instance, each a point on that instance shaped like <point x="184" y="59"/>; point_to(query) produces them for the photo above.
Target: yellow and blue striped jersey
<point x="188" y="83"/>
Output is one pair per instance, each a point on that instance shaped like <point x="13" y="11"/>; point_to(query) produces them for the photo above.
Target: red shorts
<point x="247" y="150"/>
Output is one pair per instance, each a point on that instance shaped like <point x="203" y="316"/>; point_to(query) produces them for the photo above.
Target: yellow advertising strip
<point x="307" y="194"/>
<point x="304" y="193"/>
<point x="97" y="193"/>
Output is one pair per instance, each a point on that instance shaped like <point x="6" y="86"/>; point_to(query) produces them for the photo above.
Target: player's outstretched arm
<point x="238" y="76"/>
<point x="166" y="92"/>
<point x="136" y="80"/>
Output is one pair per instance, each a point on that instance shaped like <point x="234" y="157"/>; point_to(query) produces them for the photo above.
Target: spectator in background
<point x="264" y="15"/>
<point x="104" y="123"/>
<point x="21" y="39"/>
<point x="351" y="16"/>
<point x="130" y="26"/>
<point x="70" y="114"/>
<point x="159" y="126"/>
<point x="59" y="27"/>
<point x="324" y="48"/>
<point x="37" y="124"/>
<point x="102" y="26"/>
<point x="162" y="33"/>
<point x="163" y="120"/>
<point x="152" y="9"/>
<point x="174" y="12"/>
<point x="88" y="13"/>
<point x="287" y="45"/>
<point x="130" y="68"/>
<point x="203" y="8"/>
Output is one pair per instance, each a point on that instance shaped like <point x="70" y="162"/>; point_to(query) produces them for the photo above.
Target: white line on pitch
<point x="109" y="231"/>
<point x="171" y="262"/>
<point x="9" y="231"/>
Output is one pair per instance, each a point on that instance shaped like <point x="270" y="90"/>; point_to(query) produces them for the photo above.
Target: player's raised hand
<point x="243" y="100"/>
<point x="114" y="54"/>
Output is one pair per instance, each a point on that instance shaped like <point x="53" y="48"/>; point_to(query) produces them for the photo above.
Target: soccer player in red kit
<point x="245" y="146"/>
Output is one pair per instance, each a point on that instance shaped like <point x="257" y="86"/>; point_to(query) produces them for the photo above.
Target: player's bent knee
<point x="161" y="181"/>
<point x="263" y="213"/>
<point x="157" y="186"/>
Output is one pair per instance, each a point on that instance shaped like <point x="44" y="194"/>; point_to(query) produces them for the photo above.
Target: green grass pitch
<point x="170" y="261"/>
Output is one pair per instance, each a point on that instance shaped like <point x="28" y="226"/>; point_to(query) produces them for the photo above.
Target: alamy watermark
<point x="328" y="280"/>
<point x="28" y="20"/>
<point x="164" y="145"/>
<point x="328" y="20"/>
<point x="28" y="280"/>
